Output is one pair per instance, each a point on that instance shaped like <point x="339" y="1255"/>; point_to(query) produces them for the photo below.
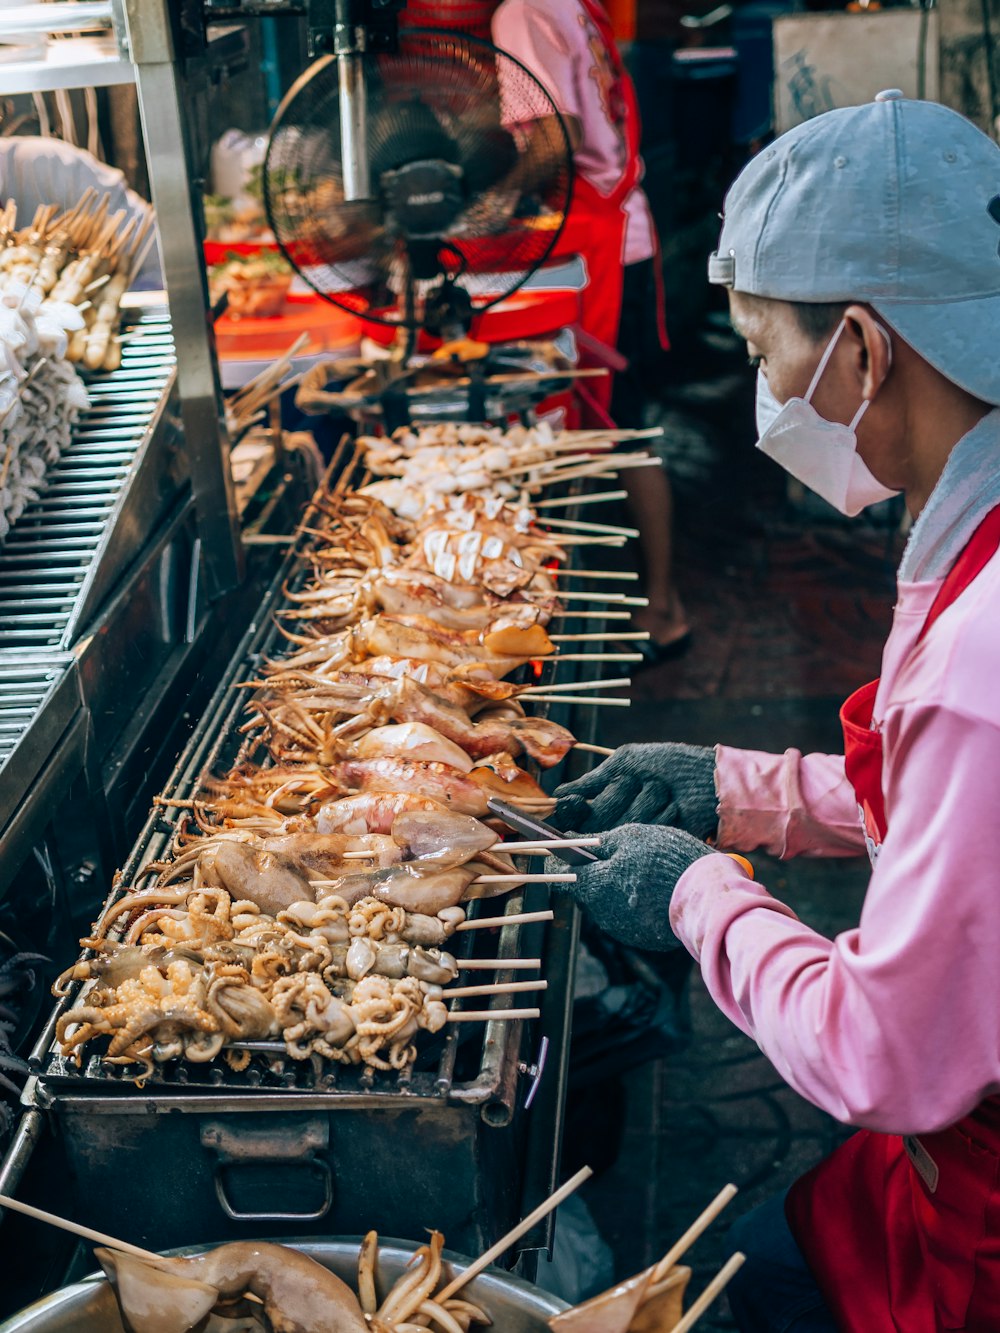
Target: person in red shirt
<point x="569" y="46"/>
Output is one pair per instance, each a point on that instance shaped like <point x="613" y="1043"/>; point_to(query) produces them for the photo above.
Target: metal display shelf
<point x="72" y="62"/>
<point x="101" y="500"/>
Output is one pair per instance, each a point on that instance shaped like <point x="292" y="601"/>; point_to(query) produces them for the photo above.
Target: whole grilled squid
<point x="297" y="1294"/>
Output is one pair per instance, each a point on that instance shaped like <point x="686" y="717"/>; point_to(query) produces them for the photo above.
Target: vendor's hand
<point x="627" y="892"/>
<point x="644" y="784"/>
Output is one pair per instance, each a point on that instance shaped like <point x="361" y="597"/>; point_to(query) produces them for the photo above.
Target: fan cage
<point x="348" y="252"/>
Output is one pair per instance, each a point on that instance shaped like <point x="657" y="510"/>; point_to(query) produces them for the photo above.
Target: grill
<point x="452" y="1140"/>
<point x="23" y="691"/>
<point x="66" y="549"/>
<point x="105" y="498"/>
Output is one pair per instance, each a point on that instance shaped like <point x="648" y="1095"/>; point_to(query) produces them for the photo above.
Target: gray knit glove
<point x="627" y="892"/>
<point x="644" y="784"/>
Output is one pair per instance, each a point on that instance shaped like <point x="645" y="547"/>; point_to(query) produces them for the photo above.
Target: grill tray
<point x="66" y="549"/>
<point x="468" y="1064"/>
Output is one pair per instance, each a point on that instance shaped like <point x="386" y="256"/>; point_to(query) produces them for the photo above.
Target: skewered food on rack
<point x="41" y="396"/>
<point x="199" y="970"/>
<point x="308" y="893"/>
<point x="84" y="258"/>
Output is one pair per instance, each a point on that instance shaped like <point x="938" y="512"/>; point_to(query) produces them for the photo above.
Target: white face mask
<point x="822" y="454"/>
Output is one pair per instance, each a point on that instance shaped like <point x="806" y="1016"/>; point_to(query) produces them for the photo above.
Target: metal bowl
<point x="90" y="1307"/>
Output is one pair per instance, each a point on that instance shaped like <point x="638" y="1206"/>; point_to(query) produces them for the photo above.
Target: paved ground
<point x="789" y="615"/>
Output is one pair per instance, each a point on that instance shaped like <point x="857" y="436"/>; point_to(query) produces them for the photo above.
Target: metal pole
<point x="171" y="90"/>
<point x="353" y="128"/>
<point x="349" y="42"/>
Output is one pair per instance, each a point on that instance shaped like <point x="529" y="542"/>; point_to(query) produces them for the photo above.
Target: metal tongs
<point x="537" y="828"/>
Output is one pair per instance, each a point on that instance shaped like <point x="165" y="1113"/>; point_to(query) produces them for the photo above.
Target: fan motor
<point x="425" y="197"/>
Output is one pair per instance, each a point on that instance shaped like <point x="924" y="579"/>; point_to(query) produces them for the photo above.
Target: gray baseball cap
<point x="896" y="204"/>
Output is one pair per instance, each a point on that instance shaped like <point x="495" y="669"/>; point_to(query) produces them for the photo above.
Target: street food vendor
<point x="862" y="256"/>
<point x="569" y="45"/>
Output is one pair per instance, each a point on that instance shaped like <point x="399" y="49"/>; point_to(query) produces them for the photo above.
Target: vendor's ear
<point x="871" y="345"/>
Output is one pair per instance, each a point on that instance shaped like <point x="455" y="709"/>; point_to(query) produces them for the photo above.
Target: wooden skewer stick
<point x="489" y="1015"/>
<point x="593" y="749"/>
<point x="594" y="700"/>
<point x="711" y="1292"/>
<point x="536" y="851"/>
<point x="584" y="539"/>
<point x="597" y="433"/>
<point x="577" y="525"/>
<point x="596" y="657"/>
<point x="699" y="1225"/>
<point x="498" y="964"/>
<point x="564" y="501"/>
<point x="86" y="1233"/>
<point x="577" y="615"/>
<point x="515" y="918"/>
<point x="629" y="635"/>
<point x="505" y="1242"/>
<point x="525" y="879"/>
<point x="602" y="433"/>
<point x="625" y="575"/>
<point x="615" y="598"/>
<point x="547" y="844"/>
<point x="579" y="686"/>
<point x="493" y="988"/>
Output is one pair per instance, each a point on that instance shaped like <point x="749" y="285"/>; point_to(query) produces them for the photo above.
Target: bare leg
<point x="652" y="504"/>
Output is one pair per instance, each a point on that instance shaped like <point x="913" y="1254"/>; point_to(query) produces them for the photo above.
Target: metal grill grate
<point x="23" y="691"/>
<point x="462" y="1066"/>
<point x="50" y="559"/>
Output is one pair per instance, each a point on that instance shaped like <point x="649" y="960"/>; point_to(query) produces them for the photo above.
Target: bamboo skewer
<point x="577" y="525"/>
<point x="493" y="988"/>
<point x="491" y="1015"/>
<point x="593" y="749"/>
<point x="594" y="657"/>
<point x="630" y="635"/>
<point x="575" y="615"/>
<point x="505" y="1242"/>
<point x="547" y="844"/>
<point x="594" y="700"/>
<point x="564" y="501"/>
<point x="624" y="575"/>
<point x="515" y="918"/>
<point x="498" y="964"/>
<point x="615" y="598"/>
<point x="711" y="1292"/>
<point x="697" y="1227"/>
<point x="85" y="1233"/>
<point x="575" y="685"/>
<point x="525" y="879"/>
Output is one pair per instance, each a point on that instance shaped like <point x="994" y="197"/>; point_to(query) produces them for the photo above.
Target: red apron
<point x="903" y="1234"/>
<point x="595" y="229"/>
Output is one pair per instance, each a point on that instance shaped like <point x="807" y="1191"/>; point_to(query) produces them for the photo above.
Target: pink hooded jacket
<point x="894" y="1025"/>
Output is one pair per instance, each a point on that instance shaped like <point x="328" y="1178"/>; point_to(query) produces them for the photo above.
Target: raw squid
<point x="299" y="1295"/>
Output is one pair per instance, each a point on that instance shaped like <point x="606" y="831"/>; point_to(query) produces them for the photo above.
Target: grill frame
<point x="102" y="498"/>
<point x="493" y="1089"/>
<point x="455" y="1144"/>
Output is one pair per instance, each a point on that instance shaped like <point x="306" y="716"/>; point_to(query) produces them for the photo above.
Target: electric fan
<point x="426" y="187"/>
